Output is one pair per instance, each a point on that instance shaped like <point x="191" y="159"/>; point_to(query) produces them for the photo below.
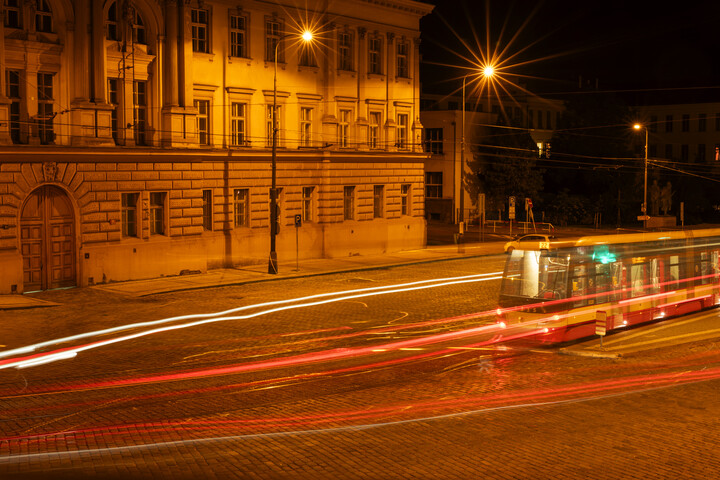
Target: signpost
<point x="298" y="224"/>
<point x="511" y="213"/>
<point x="481" y="215"/>
<point x="600" y="325"/>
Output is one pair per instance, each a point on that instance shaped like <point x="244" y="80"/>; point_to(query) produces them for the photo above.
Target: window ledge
<point x="206" y="56"/>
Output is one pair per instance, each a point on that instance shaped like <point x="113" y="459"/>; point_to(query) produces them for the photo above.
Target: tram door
<point x="47" y="238"/>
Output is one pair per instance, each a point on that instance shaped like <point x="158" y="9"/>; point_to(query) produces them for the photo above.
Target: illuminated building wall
<point x="136" y="135"/>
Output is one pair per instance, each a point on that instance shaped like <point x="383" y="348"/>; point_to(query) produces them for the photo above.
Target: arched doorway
<point x="47" y="237"/>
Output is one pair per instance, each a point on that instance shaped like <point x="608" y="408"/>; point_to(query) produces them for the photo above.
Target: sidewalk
<point x="259" y="273"/>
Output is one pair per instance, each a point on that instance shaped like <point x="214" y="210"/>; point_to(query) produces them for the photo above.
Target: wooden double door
<point x="47" y="237"/>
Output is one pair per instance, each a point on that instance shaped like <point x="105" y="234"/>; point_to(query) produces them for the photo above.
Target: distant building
<point x="136" y="135"/>
<point x="442" y="119"/>
<point x="685" y="133"/>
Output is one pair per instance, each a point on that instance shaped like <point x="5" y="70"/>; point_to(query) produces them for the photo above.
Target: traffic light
<point x="547" y="150"/>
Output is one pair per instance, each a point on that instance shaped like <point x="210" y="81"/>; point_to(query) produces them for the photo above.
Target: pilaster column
<point x="81" y="42"/>
<point x="186" y="57"/>
<point x="170" y="72"/>
<point x="4" y="101"/>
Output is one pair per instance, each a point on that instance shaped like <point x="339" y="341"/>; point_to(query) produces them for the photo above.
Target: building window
<point x="405" y="199"/>
<point x="207" y="207"/>
<point x="272" y="40"/>
<point x="375" y="55"/>
<point x="129" y="216"/>
<point x="269" y="124"/>
<point x="653" y="123"/>
<point x="540" y="119"/>
<point x="203" y="121"/>
<point x="684" y="153"/>
<point x="434" y="140"/>
<point x="702" y="122"/>
<point x="402" y="130"/>
<point x="668" y="123"/>
<point x="349" y="203"/>
<point x="12" y="14"/>
<point x="548" y="123"/>
<point x="45" y="108"/>
<point x="43" y="17"/>
<point x="157" y="213"/>
<point x="238" y="36"/>
<point x="374" y="129"/>
<point x="111" y="24"/>
<point x="685" y="122"/>
<point x="306" y="126"/>
<point x="344" y="128"/>
<point x="199" y="24"/>
<point x="238" y="124"/>
<point x="403" y="49"/>
<point x="668" y="151"/>
<point x="138" y="28"/>
<point x="345" y="51"/>
<point x="652" y="150"/>
<point x="433" y="184"/>
<point x="378" y="201"/>
<point x="140" y="111"/>
<point x="241" y="201"/>
<point x="307" y="56"/>
<point x="12" y="85"/>
<point x="717" y="122"/>
<point x="701" y="153"/>
<point x="113" y="100"/>
<point x="307" y="204"/>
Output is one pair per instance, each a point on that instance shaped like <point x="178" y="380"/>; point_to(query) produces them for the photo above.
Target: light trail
<point x="217" y="317"/>
<point x="282" y="425"/>
<point x="30" y="348"/>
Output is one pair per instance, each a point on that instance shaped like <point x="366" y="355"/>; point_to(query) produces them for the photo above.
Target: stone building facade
<point x="135" y="136"/>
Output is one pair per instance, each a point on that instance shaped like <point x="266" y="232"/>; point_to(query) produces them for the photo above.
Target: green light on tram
<point x="603" y="255"/>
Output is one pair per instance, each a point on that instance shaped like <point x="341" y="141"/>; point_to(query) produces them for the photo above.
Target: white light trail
<point x="216" y="317"/>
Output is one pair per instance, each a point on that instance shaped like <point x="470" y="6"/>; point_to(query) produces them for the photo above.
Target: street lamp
<point x="487" y="72"/>
<point x="306" y="37"/>
<point x="637" y="126"/>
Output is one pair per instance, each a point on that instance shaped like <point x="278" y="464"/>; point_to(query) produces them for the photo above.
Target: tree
<point x="505" y="164"/>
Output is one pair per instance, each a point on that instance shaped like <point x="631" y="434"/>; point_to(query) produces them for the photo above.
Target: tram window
<point x="637" y="280"/>
<point x="714" y="258"/>
<point x="704" y="267"/>
<point x="579" y="285"/>
<point x="654" y="276"/>
<point x="674" y="281"/>
<point x="602" y="282"/>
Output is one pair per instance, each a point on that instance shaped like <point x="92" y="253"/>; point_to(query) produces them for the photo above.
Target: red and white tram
<point x="558" y="289"/>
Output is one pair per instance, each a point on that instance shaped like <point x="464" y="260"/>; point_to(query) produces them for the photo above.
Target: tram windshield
<point x="534" y="276"/>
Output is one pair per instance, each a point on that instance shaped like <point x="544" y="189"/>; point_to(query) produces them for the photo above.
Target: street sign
<point x="512" y="212"/>
<point x="600" y="325"/>
<point x="643" y="217"/>
<point x="298" y="220"/>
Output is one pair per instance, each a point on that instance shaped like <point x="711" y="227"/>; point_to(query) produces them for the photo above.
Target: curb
<point x="589" y="353"/>
<point x="108" y="287"/>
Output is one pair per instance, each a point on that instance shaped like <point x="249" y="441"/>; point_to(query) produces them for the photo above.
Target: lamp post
<point x="272" y="262"/>
<point x="637" y="126"/>
<point x="487" y="72"/>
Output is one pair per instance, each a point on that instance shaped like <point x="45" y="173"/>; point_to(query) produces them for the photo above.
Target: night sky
<point x="634" y="45"/>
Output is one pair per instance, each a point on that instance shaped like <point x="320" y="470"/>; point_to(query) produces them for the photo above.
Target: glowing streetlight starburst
<point x="490" y="65"/>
